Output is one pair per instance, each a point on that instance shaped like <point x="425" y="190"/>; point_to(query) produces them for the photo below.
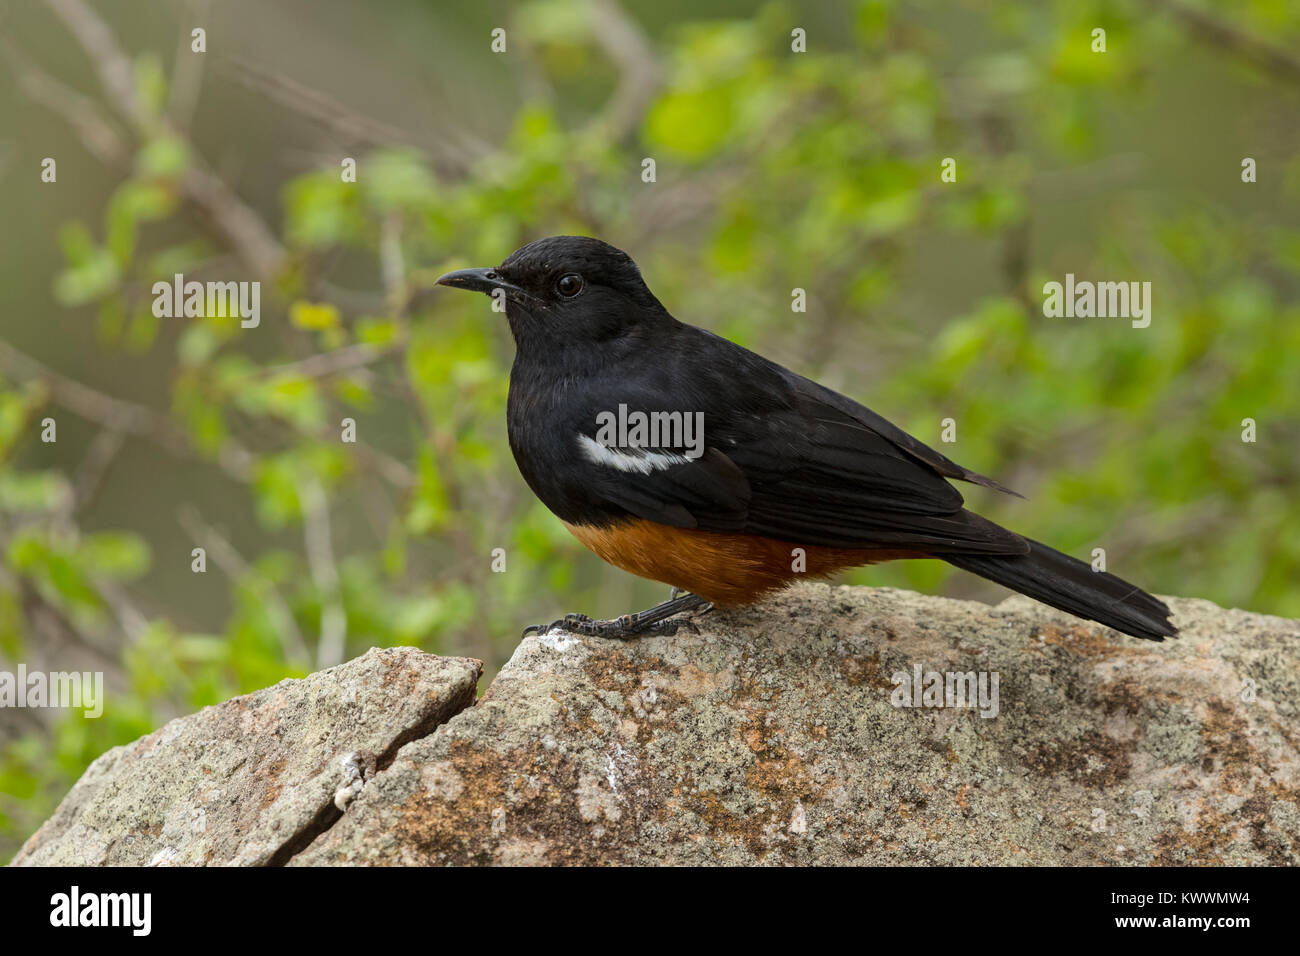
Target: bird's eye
<point x="569" y="285"/>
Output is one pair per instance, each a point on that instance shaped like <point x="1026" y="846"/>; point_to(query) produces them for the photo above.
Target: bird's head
<point x="568" y="289"/>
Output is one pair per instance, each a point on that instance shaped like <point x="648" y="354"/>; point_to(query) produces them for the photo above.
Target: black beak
<point x="482" y="280"/>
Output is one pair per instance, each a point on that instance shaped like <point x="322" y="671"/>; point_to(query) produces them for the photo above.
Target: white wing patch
<point x="637" y="460"/>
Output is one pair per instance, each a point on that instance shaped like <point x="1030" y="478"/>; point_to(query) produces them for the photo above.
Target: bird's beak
<point x="481" y="280"/>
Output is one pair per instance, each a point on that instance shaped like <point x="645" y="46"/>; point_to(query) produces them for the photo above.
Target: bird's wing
<point x="886" y="429"/>
<point x="781" y="460"/>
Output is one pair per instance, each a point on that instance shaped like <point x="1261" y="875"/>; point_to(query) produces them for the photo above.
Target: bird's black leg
<point x="650" y="621"/>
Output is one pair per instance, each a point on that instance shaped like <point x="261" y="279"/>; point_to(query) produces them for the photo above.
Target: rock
<point x="253" y="780"/>
<point x="773" y="736"/>
<point x="770" y="737"/>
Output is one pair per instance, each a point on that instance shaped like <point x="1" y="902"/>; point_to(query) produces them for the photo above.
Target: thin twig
<point x="90" y="476"/>
<point x="393" y="470"/>
<point x="626" y="44"/>
<point x="55" y="626"/>
<point x="187" y="76"/>
<point x="324" y="364"/>
<point x="324" y="573"/>
<point x="111" y="63"/>
<point x="236" y="568"/>
<point x="100" y="139"/>
<point x="129" y="618"/>
<point x="356" y="128"/>
<point x="250" y="237"/>
<point x="118" y="414"/>
<point x="454" y="150"/>
<point x="392" y="263"/>
<point x="1270" y="57"/>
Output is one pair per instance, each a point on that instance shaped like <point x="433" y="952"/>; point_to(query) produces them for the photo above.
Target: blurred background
<point x="774" y="170"/>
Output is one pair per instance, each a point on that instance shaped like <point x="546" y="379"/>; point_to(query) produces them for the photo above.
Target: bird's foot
<point x="622" y="627"/>
<point x="655" y="620"/>
<point x="568" y="622"/>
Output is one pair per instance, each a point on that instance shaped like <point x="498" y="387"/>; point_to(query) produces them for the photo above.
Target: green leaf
<point x="94" y="278"/>
<point x="313" y="315"/>
<point x="33" y="492"/>
<point x="164" y="157"/>
<point x="117" y="554"/>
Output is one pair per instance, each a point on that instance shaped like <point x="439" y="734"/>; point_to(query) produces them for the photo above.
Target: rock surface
<point x="253" y="780"/>
<point x="769" y="737"/>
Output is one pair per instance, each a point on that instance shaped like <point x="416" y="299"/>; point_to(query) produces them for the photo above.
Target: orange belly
<point x="727" y="569"/>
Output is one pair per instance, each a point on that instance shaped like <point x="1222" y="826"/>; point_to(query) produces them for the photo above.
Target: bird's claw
<point x="622" y="627"/>
<point x="625" y="627"/>
<point x="568" y="622"/>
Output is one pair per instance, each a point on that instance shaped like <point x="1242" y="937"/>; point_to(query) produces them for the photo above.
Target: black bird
<point x="788" y="479"/>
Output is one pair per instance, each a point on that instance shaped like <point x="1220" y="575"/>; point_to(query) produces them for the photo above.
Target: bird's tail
<point x="1047" y="575"/>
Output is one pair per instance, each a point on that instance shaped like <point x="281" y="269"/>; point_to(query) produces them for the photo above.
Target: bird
<point x="682" y="457"/>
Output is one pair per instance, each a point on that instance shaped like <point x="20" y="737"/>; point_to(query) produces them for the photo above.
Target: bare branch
<point x="452" y="148"/>
<point x="252" y="240"/>
<point x="133" y="623"/>
<point x="143" y="422"/>
<point x="117" y="414"/>
<point x="627" y="45"/>
<point x="354" y="127"/>
<point x="391" y="260"/>
<point x="243" y="228"/>
<point x="324" y="364"/>
<point x="187" y="76"/>
<point x="235" y="567"/>
<point x="393" y="470"/>
<point x="55" y="627"/>
<point x="1270" y="57"/>
<point x="95" y="465"/>
<point x="112" y="64"/>
<point x="100" y="139"/>
<point x="324" y="573"/>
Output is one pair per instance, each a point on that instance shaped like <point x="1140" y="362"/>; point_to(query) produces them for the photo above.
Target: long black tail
<point x="1047" y="575"/>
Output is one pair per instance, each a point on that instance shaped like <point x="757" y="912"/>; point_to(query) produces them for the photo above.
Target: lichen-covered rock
<point x="253" y="780"/>
<point x="777" y="735"/>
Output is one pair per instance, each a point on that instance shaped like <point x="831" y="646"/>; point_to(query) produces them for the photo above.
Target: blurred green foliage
<point x="774" y="171"/>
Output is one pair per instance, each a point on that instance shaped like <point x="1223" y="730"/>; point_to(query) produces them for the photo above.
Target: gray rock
<point x="770" y="737"/>
<point x="252" y="780"/>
